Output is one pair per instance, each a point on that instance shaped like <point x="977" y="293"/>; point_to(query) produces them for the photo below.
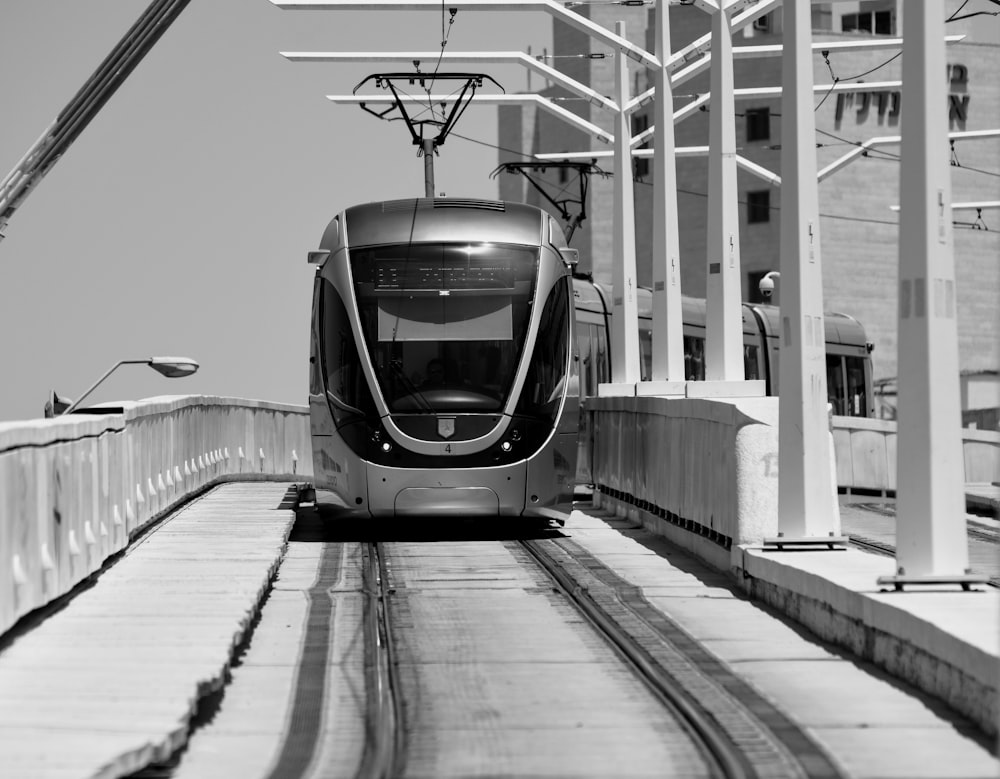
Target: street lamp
<point x="171" y="367"/>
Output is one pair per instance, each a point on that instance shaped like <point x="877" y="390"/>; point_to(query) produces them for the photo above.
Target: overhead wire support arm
<point x="524" y="98"/>
<point x="86" y="104"/>
<point x="553" y="8"/>
<point x="476" y="58"/>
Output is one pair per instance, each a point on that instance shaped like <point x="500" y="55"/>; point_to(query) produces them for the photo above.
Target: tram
<point x="848" y="353"/>
<point x="442" y="378"/>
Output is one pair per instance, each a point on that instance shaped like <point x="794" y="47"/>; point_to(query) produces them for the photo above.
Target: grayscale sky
<point x="178" y="222"/>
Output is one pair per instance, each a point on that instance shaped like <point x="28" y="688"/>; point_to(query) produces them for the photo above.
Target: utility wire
<point x="837" y="79"/>
<point x="681" y="191"/>
<point x="445" y="34"/>
<point x="955" y="16"/>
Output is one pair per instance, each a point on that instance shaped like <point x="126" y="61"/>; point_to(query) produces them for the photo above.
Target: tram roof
<point x="430" y="220"/>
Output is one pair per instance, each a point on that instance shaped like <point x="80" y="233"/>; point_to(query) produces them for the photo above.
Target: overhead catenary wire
<point x="955" y="17"/>
<point x="445" y="35"/>
<point x="688" y="192"/>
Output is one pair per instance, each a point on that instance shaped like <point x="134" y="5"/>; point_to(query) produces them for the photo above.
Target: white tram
<point x="443" y="379"/>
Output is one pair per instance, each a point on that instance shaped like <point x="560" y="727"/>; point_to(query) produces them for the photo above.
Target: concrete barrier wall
<point x="707" y="466"/>
<point x="866" y="454"/>
<point x="73" y="490"/>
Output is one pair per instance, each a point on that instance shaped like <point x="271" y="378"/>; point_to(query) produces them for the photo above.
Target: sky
<point x="179" y="221"/>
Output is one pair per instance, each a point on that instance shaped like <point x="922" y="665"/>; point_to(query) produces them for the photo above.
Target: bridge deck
<point x="109" y="683"/>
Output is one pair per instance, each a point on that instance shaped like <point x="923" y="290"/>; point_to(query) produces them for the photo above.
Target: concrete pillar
<point x="668" y="334"/>
<point x="807" y="492"/>
<point x="624" y="321"/>
<point x="931" y="540"/>
<point x="724" y="330"/>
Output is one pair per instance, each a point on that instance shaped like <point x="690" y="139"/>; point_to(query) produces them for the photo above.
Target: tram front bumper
<point x="477" y="492"/>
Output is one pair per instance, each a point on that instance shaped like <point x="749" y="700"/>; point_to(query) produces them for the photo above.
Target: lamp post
<point x="171" y="367"/>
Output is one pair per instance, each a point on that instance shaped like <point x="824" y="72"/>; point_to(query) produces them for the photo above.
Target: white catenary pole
<point x="724" y="328"/>
<point x="931" y="541"/>
<point x="808" y="510"/>
<point x="668" y="337"/>
<point x="624" y="320"/>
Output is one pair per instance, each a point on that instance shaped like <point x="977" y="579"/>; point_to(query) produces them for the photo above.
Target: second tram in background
<point x="442" y="373"/>
<point x="848" y="353"/>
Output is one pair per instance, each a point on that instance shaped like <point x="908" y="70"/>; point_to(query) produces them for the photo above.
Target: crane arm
<point x="85" y="105"/>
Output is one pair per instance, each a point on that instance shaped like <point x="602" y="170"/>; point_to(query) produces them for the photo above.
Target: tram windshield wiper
<point x="397" y="368"/>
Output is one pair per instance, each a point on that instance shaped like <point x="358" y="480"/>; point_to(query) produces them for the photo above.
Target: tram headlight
<point x="506" y="446"/>
<point x="386" y="447"/>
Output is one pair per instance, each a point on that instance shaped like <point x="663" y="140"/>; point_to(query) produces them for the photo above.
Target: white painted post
<point x="724" y="328"/>
<point x="668" y="334"/>
<point x="808" y="510"/>
<point x="625" y="317"/>
<point x="931" y="541"/>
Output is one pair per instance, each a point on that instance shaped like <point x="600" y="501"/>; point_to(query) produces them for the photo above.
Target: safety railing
<point x="74" y="490"/>
<point x="866" y="454"/>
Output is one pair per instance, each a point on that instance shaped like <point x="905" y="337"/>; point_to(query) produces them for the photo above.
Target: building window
<point x="640" y="123"/>
<point x="877" y="22"/>
<point x="758" y="124"/>
<point x="762" y="23"/>
<point x="759" y="206"/>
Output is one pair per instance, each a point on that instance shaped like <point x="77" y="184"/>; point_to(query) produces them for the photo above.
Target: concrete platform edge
<point x="901" y="638"/>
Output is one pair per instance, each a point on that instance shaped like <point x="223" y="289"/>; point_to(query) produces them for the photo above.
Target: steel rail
<point x="728" y="760"/>
<point x="385" y="747"/>
<point x="872" y="546"/>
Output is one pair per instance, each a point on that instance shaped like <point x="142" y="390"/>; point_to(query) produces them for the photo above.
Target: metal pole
<point x="625" y="312"/>
<point x="97" y="383"/>
<point x="724" y="325"/>
<point x="930" y="532"/>
<point x="668" y="335"/>
<point x="427" y="144"/>
<point x="808" y="509"/>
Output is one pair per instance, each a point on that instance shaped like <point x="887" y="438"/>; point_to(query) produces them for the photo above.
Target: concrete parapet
<point x="866" y="454"/>
<point x="709" y="466"/>
<point x="74" y="489"/>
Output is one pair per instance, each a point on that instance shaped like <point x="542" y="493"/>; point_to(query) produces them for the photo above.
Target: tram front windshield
<point x="445" y="323"/>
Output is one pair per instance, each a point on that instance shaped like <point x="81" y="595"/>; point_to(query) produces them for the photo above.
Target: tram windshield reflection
<point x="445" y="324"/>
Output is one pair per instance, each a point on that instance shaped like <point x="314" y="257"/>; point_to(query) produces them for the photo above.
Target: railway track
<point x="461" y="649"/>
<point x="977" y="536"/>
<point x="738" y="732"/>
<point x="477" y="653"/>
<point x="742" y="734"/>
<point x="385" y="747"/>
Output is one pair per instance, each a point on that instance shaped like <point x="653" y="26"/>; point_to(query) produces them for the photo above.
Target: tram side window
<point x="341" y="366"/>
<point x="547" y="371"/>
<point x="857" y="402"/>
<point x="585" y="344"/>
<point x="694" y="358"/>
<point x="835" y="384"/>
<point x="646" y="354"/>
<point x="602" y="362"/>
<point x="751" y="362"/>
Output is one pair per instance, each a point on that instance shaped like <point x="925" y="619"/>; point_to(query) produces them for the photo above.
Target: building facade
<point x="858" y="227"/>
